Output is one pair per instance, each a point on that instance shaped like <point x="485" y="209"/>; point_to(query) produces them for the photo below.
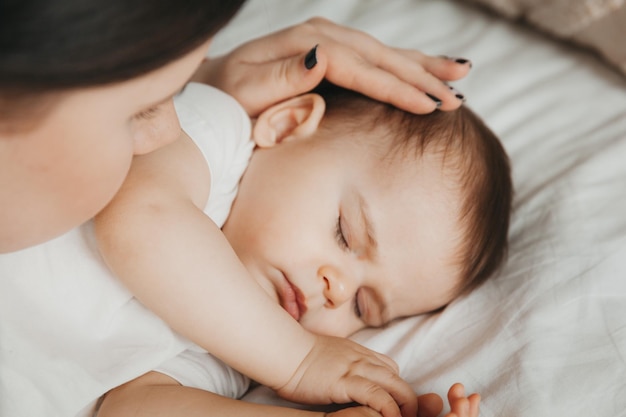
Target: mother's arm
<point x="158" y="395"/>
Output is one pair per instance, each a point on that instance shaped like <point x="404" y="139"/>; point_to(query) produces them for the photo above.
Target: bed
<point x="547" y="335"/>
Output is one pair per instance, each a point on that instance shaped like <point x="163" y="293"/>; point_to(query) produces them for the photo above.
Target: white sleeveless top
<point x="69" y="331"/>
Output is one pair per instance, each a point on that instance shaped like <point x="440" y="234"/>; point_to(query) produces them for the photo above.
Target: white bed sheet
<point x="547" y="335"/>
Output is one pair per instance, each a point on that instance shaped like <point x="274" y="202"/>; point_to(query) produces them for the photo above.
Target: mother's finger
<point x="382" y="55"/>
<point x="347" y="69"/>
<point x="429" y="405"/>
<point x="443" y="67"/>
<point x="414" y="73"/>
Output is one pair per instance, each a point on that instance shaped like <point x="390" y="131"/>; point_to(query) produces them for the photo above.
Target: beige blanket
<point x="596" y="24"/>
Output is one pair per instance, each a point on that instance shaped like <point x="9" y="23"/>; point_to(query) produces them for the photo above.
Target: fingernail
<point x="311" y="58"/>
<point x="457" y="93"/>
<point x="435" y="99"/>
<point x="461" y="61"/>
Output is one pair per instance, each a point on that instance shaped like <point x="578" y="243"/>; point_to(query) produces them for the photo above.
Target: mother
<point x="87" y="84"/>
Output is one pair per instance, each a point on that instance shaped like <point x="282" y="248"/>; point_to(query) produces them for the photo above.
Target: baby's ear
<point x="297" y="117"/>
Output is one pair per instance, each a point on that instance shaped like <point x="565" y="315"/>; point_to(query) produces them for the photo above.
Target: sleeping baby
<point x="348" y="214"/>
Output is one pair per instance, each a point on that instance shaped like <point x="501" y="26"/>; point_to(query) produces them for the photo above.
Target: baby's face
<point x="343" y="240"/>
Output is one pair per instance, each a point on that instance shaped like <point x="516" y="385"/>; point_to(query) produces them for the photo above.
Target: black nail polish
<point x="311" y="58"/>
<point x="460" y="61"/>
<point x="435" y="99"/>
<point x="463" y="61"/>
<point x="457" y="94"/>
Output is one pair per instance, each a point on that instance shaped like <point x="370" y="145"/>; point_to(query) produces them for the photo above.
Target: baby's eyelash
<point x="148" y="113"/>
<point x="340" y="237"/>
<point x="357" y="309"/>
<point x="343" y="243"/>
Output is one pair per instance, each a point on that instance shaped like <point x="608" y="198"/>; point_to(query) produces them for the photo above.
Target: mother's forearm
<point x="157" y="395"/>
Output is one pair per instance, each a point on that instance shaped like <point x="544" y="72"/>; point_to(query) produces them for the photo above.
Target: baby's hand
<point x="430" y="405"/>
<point x="340" y="371"/>
<point x="460" y="405"/>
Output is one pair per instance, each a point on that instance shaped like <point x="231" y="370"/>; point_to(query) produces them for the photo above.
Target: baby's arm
<point x="177" y="262"/>
<point x="157" y="395"/>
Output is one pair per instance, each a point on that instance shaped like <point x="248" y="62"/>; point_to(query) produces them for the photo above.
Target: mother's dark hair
<point x="47" y="46"/>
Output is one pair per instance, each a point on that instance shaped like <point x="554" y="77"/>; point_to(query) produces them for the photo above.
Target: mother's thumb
<point x="297" y="75"/>
<point x="303" y="73"/>
<point x="277" y="81"/>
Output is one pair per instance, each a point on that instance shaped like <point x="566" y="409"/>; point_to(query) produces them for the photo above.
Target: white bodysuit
<point x="69" y="330"/>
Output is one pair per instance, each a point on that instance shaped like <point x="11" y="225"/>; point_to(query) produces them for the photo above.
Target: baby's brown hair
<point x="469" y="150"/>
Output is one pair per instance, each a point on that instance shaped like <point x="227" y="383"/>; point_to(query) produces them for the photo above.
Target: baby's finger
<point x="474" y="400"/>
<point x="366" y="392"/>
<point x="461" y="406"/>
<point x="456" y="391"/>
<point x="390" y="363"/>
<point x="387" y="386"/>
<point x="385" y="361"/>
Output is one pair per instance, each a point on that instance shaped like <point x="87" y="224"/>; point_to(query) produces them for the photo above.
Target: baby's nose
<point x="338" y="286"/>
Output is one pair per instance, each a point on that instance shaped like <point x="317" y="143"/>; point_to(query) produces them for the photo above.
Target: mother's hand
<point x="294" y="60"/>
